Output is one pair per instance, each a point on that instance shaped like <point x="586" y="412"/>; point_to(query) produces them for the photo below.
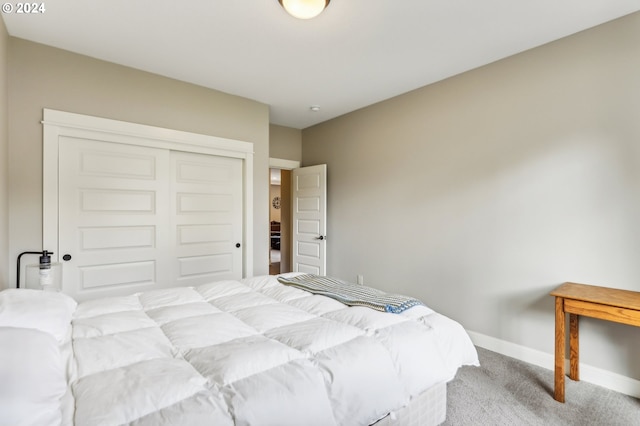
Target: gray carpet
<point x="506" y="391"/>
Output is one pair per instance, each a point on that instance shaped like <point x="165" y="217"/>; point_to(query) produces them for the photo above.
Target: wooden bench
<point x="608" y="304"/>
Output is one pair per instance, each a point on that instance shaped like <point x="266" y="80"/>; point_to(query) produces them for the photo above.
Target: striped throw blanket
<point x="351" y="294"/>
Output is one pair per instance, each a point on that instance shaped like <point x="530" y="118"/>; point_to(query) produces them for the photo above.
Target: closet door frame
<point x="57" y="124"/>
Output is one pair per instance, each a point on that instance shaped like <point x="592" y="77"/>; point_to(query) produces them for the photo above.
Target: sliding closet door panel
<point x="113" y="200"/>
<point x="207" y="222"/>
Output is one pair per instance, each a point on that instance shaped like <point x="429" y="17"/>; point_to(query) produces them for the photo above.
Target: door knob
<point x="238" y="245"/>
<point x="321" y="237"/>
<point x="66" y="257"/>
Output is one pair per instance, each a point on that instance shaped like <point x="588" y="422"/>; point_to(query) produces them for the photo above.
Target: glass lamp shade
<point x="304" y="9"/>
<point x="43" y="278"/>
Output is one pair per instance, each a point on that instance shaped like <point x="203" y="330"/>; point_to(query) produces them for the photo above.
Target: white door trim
<point x="282" y="164"/>
<point x="59" y="123"/>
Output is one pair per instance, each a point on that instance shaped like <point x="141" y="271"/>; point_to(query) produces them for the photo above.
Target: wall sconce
<point x="304" y="9"/>
<point x="44" y="274"/>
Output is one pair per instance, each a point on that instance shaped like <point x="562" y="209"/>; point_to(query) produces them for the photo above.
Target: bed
<point x="246" y="352"/>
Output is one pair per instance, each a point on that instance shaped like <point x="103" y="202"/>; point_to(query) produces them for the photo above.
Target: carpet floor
<point x="506" y="391"/>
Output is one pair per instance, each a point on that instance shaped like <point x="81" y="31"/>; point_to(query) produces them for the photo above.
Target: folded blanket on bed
<point x="351" y="294"/>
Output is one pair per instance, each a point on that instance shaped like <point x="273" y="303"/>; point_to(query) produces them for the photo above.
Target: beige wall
<point x="483" y="192"/>
<point x="44" y="77"/>
<point x="5" y="261"/>
<point x="285" y="143"/>
<point x="274" y="191"/>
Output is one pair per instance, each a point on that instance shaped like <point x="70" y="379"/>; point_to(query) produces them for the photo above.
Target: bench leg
<point x="560" y="351"/>
<point x="574" y="348"/>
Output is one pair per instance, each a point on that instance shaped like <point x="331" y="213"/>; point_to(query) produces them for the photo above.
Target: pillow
<point x="32" y="377"/>
<point x="46" y="311"/>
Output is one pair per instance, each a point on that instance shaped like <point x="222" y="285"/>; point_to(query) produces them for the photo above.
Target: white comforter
<point x="252" y="352"/>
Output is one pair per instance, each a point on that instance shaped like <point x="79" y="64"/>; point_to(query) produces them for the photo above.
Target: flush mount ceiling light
<point x="304" y="9"/>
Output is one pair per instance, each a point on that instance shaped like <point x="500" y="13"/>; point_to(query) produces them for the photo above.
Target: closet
<point x="129" y="207"/>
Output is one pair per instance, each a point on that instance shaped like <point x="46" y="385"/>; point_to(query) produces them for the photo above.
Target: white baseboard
<point x="588" y="373"/>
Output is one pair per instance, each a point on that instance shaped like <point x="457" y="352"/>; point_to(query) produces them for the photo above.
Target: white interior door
<point x="309" y="199"/>
<point x="207" y="217"/>
<point x="136" y="218"/>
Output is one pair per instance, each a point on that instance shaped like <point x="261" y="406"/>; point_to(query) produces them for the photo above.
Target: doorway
<point x="299" y="237"/>
<point x="279" y="221"/>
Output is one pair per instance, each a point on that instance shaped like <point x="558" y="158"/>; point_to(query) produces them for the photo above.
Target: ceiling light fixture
<point x="304" y="9"/>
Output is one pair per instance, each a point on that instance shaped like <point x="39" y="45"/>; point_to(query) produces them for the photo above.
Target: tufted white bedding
<point x="251" y="352"/>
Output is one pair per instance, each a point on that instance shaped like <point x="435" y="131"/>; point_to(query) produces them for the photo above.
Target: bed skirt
<point x="427" y="409"/>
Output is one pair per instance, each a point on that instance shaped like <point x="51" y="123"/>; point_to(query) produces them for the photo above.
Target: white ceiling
<point x="356" y="53"/>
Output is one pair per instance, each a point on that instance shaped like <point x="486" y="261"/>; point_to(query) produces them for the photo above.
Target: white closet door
<point x="112" y="202"/>
<point x="136" y="218"/>
<point x="207" y="217"/>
